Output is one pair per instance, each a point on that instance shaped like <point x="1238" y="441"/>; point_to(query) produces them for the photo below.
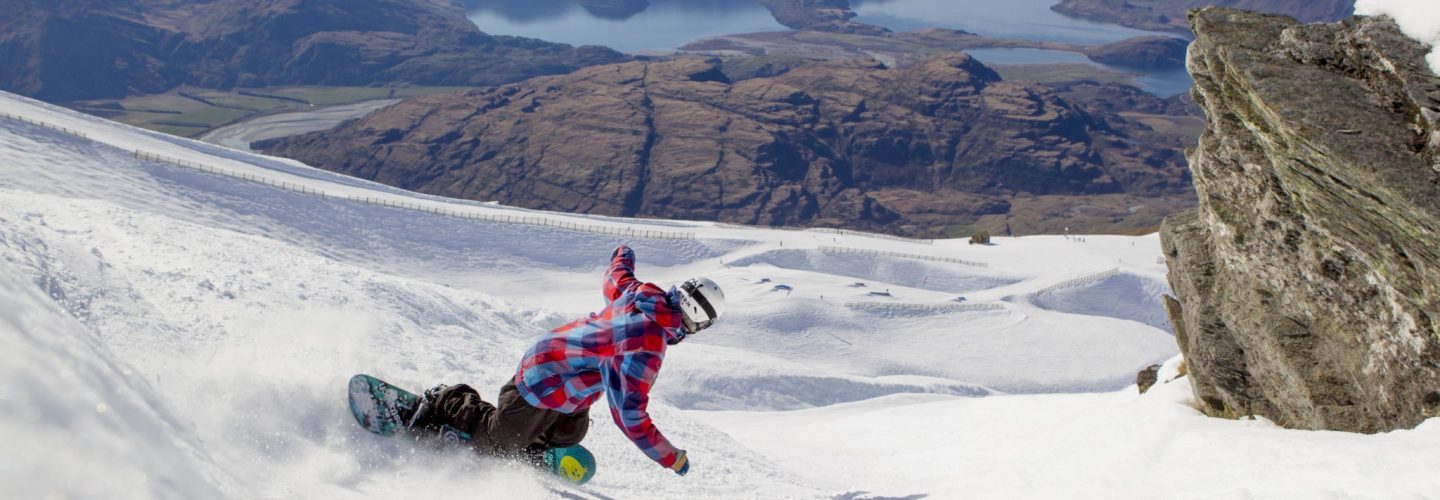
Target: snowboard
<point x="386" y="410"/>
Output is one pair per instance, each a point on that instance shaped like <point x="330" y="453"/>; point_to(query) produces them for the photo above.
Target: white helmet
<point x="701" y="302"/>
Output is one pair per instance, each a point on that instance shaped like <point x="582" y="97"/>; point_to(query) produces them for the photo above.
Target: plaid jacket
<point x="617" y="351"/>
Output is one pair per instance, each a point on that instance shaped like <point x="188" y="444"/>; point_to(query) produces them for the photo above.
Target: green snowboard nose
<point x="572" y="463"/>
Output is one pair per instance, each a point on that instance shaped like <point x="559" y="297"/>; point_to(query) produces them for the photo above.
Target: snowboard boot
<point x="423" y="415"/>
<point x="453" y="413"/>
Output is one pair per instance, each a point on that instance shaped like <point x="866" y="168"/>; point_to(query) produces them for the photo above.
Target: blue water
<point x="1166" y="83"/>
<point x="663" y="26"/>
<point x="1161" y="83"/>
<point x="1029" y="19"/>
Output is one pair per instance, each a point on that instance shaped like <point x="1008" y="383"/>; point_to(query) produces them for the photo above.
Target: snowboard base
<point x="385" y="410"/>
<point x="379" y="407"/>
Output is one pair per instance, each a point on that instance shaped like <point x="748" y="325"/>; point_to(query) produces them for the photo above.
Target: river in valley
<point x="241" y="135"/>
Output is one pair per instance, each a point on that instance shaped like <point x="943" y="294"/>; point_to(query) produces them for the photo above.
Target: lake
<point x="665" y="25"/>
<point x="1030" y="19"/>
<point x="1162" y="83"/>
<point x="662" y="27"/>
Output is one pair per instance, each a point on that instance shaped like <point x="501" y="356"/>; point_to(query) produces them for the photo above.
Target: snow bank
<point x="68" y="411"/>
<point x="1110" y="446"/>
<point x="1418" y="18"/>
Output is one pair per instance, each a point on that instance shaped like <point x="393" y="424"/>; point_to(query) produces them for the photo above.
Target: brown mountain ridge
<point x="68" y="50"/>
<point x="911" y="150"/>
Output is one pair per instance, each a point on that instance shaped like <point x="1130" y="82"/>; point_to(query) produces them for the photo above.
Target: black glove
<point x="433" y="393"/>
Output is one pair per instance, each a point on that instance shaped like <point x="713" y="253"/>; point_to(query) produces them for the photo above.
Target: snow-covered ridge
<point x="629" y="231"/>
<point x="170" y="332"/>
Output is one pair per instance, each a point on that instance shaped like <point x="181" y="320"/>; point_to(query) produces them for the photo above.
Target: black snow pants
<point x="512" y="427"/>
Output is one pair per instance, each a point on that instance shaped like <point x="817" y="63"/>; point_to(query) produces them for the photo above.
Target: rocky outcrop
<point x="842" y="143"/>
<point x="69" y="50"/>
<point x="1147" y="378"/>
<point x="1307" y="283"/>
<point x="1169" y="15"/>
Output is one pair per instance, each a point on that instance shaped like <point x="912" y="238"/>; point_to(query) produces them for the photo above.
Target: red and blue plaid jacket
<point x="617" y="350"/>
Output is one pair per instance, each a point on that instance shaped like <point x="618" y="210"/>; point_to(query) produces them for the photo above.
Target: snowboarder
<point x="616" y="352"/>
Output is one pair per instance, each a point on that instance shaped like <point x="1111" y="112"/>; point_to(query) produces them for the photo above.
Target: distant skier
<point x="616" y="351"/>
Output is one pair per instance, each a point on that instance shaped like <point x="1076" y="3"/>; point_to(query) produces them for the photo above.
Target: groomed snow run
<point x="178" y="320"/>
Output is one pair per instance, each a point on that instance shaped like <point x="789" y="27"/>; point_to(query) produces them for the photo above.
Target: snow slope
<point x="179" y="320"/>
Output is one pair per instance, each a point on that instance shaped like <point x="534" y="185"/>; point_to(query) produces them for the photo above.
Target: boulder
<point x="1307" y="282"/>
<point x="1147" y="378"/>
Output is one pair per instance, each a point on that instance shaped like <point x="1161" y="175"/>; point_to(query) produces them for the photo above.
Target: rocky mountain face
<point x="1169" y="15"/>
<point x="840" y="143"/>
<point x="70" y="50"/>
<point x="1307" y="283"/>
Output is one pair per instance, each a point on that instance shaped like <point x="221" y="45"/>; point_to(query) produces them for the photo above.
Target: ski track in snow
<point x="169" y="333"/>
